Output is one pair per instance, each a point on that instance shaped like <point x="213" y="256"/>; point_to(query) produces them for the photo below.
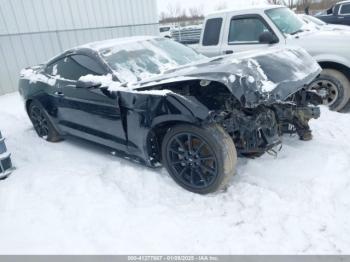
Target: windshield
<point x="139" y="60"/>
<point x="286" y="21"/>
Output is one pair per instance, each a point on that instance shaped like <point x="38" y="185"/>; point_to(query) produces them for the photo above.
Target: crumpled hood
<point x="254" y="77"/>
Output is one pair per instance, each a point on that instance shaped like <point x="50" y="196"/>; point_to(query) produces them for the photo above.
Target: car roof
<point x="95" y="47"/>
<point x="105" y="44"/>
<point x="343" y="2"/>
<point x="249" y="8"/>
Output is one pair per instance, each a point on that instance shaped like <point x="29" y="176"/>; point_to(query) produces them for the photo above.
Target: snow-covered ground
<point x="75" y="197"/>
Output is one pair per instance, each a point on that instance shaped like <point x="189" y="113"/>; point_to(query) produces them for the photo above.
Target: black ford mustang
<point x="163" y="103"/>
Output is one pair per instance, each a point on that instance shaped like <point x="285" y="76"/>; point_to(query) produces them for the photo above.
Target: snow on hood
<point x="329" y="40"/>
<point x="260" y="75"/>
<point x="266" y="68"/>
<point x="274" y="73"/>
<point x="335" y="27"/>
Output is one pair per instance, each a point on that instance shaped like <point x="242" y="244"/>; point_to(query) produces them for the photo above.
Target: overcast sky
<point x="206" y="5"/>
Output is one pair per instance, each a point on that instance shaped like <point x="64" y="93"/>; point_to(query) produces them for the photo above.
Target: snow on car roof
<point x="250" y="8"/>
<point x="104" y="44"/>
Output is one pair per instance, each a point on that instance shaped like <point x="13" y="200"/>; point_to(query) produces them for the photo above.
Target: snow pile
<point x="266" y="84"/>
<point x="145" y="58"/>
<point x="74" y="197"/>
<point x="33" y="76"/>
<point x="114" y="86"/>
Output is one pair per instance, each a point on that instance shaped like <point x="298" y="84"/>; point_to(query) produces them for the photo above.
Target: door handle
<point x="341" y="17"/>
<point x="58" y="93"/>
<point x="227" y="52"/>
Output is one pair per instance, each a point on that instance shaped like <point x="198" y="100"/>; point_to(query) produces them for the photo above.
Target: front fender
<point x="141" y="112"/>
<point x="333" y="58"/>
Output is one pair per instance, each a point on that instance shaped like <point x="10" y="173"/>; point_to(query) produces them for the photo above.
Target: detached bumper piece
<point x="295" y="119"/>
<point x="254" y="132"/>
<point x="5" y="160"/>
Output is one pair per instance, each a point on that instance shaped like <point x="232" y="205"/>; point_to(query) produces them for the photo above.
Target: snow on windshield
<point x="140" y="60"/>
<point x="286" y="20"/>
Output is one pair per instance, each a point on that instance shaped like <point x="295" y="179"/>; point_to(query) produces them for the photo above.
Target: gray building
<point x="33" y="31"/>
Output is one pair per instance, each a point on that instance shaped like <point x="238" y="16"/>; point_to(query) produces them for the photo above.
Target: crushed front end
<point x="255" y="96"/>
<point x="259" y="130"/>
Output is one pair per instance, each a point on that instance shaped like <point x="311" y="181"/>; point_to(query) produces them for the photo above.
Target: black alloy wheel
<point x="192" y="160"/>
<point x="39" y="121"/>
<point x="200" y="159"/>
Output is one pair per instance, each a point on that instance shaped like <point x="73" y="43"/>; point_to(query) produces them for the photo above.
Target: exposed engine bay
<point x="257" y="130"/>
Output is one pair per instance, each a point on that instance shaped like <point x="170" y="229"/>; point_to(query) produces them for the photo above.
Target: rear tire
<point x="339" y="85"/>
<point x="42" y="123"/>
<point x="201" y="160"/>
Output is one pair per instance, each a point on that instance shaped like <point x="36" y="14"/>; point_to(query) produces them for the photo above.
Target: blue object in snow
<point x="5" y="159"/>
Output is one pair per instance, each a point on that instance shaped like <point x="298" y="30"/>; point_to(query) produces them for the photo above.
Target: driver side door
<point x="88" y="112"/>
<point x="243" y="32"/>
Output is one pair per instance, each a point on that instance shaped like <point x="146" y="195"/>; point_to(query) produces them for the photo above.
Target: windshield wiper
<point x="298" y="31"/>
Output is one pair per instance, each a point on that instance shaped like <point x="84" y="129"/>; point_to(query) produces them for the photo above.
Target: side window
<point x="212" y="32"/>
<point x="345" y="9"/>
<point x="164" y="29"/>
<point x="246" y="30"/>
<point x="75" y="66"/>
<point x="330" y="10"/>
<point x="52" y="68"/>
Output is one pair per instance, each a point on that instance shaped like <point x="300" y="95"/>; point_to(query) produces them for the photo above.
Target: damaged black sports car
<point x="163" y="103"/>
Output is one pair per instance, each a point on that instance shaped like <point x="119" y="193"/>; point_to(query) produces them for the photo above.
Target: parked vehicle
<point x="336" y="14"/>
<point x="163" y="103"/>
<point x="187" y="35"/>
<point x="226" y="32"/>
<point x="165" y="31"/>
<point x="5" y="159"/>
<point x="319" y="24"/>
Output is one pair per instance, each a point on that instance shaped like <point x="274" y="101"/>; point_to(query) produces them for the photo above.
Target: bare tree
<point x="163" y="16"/>
<point x="179" y="15"/>
<point x="221" y="6"/>
<point x="196" y="11"/>
<point x="174" y="10"/>
<point x="275" y="2"/>
<point x="305" y="3"/>
<point x="323" y="4"/>
<point x="290" y="4"/>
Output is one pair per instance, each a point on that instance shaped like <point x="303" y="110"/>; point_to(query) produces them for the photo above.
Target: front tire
<point x="201" y="160"/>
<point x="42" y="123"/>
<point x="334" y="86"/>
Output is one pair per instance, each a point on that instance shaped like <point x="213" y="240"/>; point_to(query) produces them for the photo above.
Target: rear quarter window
<point x="345" y="9"/>
<point x="212" y="32"/>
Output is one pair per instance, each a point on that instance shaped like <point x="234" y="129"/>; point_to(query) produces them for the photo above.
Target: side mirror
<point x="88" y="84"/>
<point x="267" y="38"/>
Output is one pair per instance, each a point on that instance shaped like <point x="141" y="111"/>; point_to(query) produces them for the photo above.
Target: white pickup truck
<point x="227" y="32"/>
